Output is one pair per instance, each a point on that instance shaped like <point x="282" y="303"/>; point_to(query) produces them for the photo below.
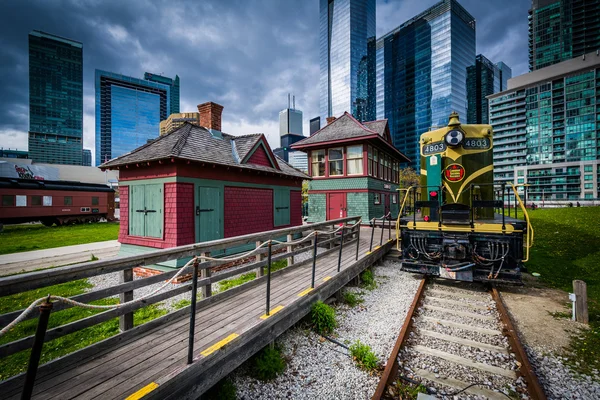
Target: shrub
<point x="223" y="390"/>
<point x="182" y="303"/>
<point x="267" y="364"/>
<point x="323" y="318"/>
<point x="352" y="299"/>
<point x="364" y="357"/>
<point x="368" y="279"/>
<point x="408" y="391"/>
<point x="94" y="258"/>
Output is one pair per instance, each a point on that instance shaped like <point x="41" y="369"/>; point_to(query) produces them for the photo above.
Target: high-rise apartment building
<point x="176" y="120"/>
<point x="483" y="79"/>
<point x="55" y="99"/>
<point x="86" y="158"/>
<point x="346" y="52"/>
<point x="128" y="113"/>
<point x="173" y="84"/>
<point x="562" y="29"/>
<point x="421" y="73"/>
<point x="290" y="131"/>
<point x="545" y="131"/>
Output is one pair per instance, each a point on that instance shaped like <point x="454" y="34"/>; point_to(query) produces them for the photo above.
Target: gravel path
<point x="322" y="370"/>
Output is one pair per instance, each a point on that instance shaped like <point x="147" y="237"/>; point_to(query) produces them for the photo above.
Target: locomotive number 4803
<point x="479" y="143"/>
<point x="432" y="148"/>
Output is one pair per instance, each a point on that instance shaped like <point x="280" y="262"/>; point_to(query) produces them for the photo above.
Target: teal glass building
<point x="55" y="99"/>
<point x="128" y="113"/>
<point x="421" y="73"/>
<point x="174" y="85"/>
<point x="483" y="79"/>
<point x="346" y="54"/>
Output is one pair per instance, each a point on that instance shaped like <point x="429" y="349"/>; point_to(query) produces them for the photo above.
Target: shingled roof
<point x="348" y="128"/>
<point x="196" y="143"/>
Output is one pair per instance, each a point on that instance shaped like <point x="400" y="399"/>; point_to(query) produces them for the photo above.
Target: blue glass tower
<point x="55" y="99"/>
<point x="128" y="113"/>
<point x="173" y="83"/>
<point x="421" y="73"/>
<point x="347" y="82"/>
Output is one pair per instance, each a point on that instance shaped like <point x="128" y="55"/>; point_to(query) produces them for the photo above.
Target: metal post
<point x="193" y="312"/>
<point x="439" y="207"/>
<point x="390" y="229"/>
<point x="269" y="277"/>
<point x="314" y="266"/>
<point x="357" y="239"/>
<point x="516" y="205"/>
<point x="341" y="246"/>
<point x="36" y="350"/>
<point x="382" y="229"/>
<point x="503" y="222"/>
<point x="525" y="198"/>
<point x="415" y="209"/>
<point x="472" y="208"/>
<point x="372" y="234"/>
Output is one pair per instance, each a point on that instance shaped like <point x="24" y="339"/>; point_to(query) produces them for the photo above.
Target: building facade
<point x="10" y="153"/>
<point x="128" y="113"/>
<point x="203" y="184"/>
<point x="546" y="133"/>
<point x="86" y="158"/>
<point x="354" y="168"/>
<point x="562" y="29"/>
<point x="314" y="125"/>
<point x="173" y="84"/>
<point x="346" y="54"/>
<point x="176" y="120"/>
<point x="483" y="79"/>
<point x="421" y="73"/>
<point x="55" y="99"/>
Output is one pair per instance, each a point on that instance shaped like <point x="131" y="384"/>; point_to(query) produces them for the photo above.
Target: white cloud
<point x="13" y="139"/>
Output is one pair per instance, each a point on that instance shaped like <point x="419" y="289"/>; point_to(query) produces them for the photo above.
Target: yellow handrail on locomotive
<point x="529" y="240"/>
<point x="398" y="238"/>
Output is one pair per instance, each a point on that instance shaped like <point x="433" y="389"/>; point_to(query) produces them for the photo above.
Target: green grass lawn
<point x="19" y="238"/>
<point x="567" y="247"/>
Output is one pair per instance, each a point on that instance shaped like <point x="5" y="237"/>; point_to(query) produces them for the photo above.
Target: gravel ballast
<point x="322" y="370"/>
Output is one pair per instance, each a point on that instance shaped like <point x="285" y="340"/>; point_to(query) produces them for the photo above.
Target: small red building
<point x="197" y="184"/>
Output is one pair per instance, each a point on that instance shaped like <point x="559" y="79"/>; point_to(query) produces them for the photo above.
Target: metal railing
<point x="373" y="223"/>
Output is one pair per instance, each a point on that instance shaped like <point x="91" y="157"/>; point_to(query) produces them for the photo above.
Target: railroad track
<point x="458" y="340"/>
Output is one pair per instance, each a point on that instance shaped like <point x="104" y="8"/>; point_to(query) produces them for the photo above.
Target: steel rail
<point x="533" y="384"/>
<point x="391" y="367"/>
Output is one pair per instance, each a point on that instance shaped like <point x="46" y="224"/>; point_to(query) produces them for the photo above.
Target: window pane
<point x="21" y="201"/>
<point x="318" y="163"/>
<point x="95" y="201"/>
<point x="47" y="200"/>
<point x="36" y="200"/>
<point x="8" y="200"/>
<point x="336" y="168"/>
<point x="354" y="151"/>
<point x="336" y="154"/>
<point x="355" y="167"/>
<point x="68" y="200"/>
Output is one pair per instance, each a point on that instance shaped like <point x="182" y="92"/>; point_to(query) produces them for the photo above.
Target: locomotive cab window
<point x="8" y="200"/>
<point x="95" y="201"/>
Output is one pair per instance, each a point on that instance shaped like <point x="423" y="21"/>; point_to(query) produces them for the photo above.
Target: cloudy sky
<point x="244" y="54"/>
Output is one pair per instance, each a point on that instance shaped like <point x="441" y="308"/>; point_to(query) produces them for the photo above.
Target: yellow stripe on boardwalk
<point x="305" y="292"/>
<point x="326" y="278"/>
<point x="143" y="391"/>
<point x="368" y="252"/>
<point x="376" y="247"/>
<point x="273" y="311"/>
<point x="218" y="345"/>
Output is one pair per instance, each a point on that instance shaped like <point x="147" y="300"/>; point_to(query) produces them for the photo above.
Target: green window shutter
<point x="136" y="210"/>
<point x="281" y="203"/>
<point x="154" y="199"/>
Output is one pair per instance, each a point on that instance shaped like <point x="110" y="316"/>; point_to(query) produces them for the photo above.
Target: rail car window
<point x="95" y="201"/>
<point x="36" y="200"/>
<point x="47" y="200"/>
<point x="21" y="201"/>
<point x="355" y="160"/>
<point x="8" y="200"/>
<point x="68" y="200"/>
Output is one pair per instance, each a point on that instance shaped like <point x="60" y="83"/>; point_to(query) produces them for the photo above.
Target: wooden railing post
<point x="290" y="259"/>
<point x="205" y="273"/>
<point x="126" y="320"/>
<point x="581" y="308"/>
<point x="260" y="271"/>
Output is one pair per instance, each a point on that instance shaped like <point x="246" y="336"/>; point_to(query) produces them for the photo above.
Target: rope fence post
<point x="357" y="238"/>
<point x="290" y="259"/>
<point x="126" y="320"/>
<point x="341" y="246"/>
<point x="193" y="300"/>
<point x="314" y="264"/>
<point x="205" y="273"/>
<point x="260" y="271"/>
<point x="36" y="350"/>
<point x="269" y="278"/>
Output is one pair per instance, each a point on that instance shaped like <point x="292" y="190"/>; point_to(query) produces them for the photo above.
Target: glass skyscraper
<point x="55" y="99"/>
<point x="421" y="73"/>
<point x="483" y="79"/>
<point x="562" y="29"/>
<point x="346" y="51"/>
<point x="86" y="160"/>
<point x="173" y="83"/>
<point x="128" y="113"/>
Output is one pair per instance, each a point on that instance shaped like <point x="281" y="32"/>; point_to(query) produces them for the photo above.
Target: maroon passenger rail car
<point x="54" y="202"/>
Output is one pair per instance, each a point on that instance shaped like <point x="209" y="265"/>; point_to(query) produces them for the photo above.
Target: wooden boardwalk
<point x="228" y="330"/>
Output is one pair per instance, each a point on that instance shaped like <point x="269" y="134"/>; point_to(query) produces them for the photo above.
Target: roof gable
<point x="261" y="154"/>
<point x="343" y="128"/>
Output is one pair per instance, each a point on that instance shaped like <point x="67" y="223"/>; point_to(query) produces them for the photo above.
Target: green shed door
<point x="209" y="213"/>
<point x="154" y="210"/>
<point x="281" y="203"/>
<point x="136" y="210"/>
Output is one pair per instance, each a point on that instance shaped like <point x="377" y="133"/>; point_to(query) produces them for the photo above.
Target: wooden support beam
<point x="260" y="271"/>
<point x="205" y="273"/>
<point x="581" y="307"/>
<point x="290" y="260"/>
<point x="126" y="320"/>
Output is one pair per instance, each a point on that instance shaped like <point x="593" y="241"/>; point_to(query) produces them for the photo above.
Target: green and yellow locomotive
<point x="455" y="224"/>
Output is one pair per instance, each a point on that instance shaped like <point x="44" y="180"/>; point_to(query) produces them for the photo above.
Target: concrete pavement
<point x="32" y="260"/>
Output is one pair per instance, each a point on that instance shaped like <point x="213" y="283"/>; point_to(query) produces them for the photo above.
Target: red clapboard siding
<point x="260" y="157"/>
<point x="295" y="207"/>
<point x="179" y="214"/>
<point x="247" y="210"/>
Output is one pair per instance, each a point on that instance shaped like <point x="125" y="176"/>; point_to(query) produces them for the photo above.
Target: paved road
<point x="32" y="260"/>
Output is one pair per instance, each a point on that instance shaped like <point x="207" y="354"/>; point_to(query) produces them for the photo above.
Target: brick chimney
<point x="210" y="115"/>
<point x="330" y="120"/>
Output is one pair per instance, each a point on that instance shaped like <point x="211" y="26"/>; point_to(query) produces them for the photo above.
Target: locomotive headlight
<point x="454" y="138"/>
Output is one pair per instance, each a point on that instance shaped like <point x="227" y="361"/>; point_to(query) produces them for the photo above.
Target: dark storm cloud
<point x="246" y="55"/>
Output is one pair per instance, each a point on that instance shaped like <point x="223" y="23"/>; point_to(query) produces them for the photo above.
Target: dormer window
<point x="318" y="162"/>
